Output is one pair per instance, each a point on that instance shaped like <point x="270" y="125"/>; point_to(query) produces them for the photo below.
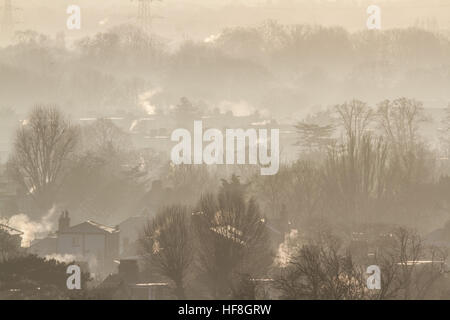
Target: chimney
<point x="64" y="222"/>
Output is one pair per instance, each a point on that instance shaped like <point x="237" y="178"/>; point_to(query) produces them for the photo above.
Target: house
<point x="89" y="241"/>
<point x="15" y="234"/>
<point x="44" y="247"/>
<point x="132" y="284"/>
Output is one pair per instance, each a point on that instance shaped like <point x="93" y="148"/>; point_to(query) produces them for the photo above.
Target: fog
<point x="178" y="20"/>
<point x="361" y="119"/>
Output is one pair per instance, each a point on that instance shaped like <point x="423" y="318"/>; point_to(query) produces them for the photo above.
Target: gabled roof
<point x="90" y="226"/>
<point x="48" y="243"/>
<point x="134" y="220"/>
<point x="10" y="230"/>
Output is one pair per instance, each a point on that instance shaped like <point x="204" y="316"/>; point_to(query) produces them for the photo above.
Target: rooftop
<point x="10" y="230"/>
<point x="90" y="226"/>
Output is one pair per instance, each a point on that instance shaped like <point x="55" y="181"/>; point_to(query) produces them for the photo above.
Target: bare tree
<point x="399" y="121"/>
<point x="305" y="190"/>
<point x="232" y="237"/>
<point x="104" y="136"/>
<point x="167" y="245"/>
<point x="355" y="174"/>
<point x="409" y="268"/>
<point x="321" y="270"/>
<point x="324" y="269"/>
<point x="314" y="137"/>
<point x="292" y="196"/>
<point x="42" y="146"/>
<point x="272" y="191"/>
<point x="355" y="117"/>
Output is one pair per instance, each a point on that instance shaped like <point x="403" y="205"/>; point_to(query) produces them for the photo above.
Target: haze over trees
<point x="269" y="66"/>
<point x="369" y="183"/>
<point x="222" y="238"/>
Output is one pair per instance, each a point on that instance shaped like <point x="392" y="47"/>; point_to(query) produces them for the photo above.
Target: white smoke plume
<point x="287" y="248"/>
<point x="103" y="21"/>
<point x="66" y="258"/>
<point x="240" y="108"/>
<point x="144" y="100"/>
<point x="90" y="259"/>
<point x="32" y="229"/>
<point x="212" y="38"/>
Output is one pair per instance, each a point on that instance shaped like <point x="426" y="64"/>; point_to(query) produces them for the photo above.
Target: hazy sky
<point x="177" y="19"/>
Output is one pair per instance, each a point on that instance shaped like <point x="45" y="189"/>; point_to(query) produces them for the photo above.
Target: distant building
<point x="130" y="230"/>
<point x="44" y="247"/>
<point x="88" y="241"/>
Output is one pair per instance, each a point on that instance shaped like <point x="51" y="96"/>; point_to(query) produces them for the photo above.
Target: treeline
<point x="267" y="66"/>
<point x="363" y="165"/>
<point x="356" y="163"/>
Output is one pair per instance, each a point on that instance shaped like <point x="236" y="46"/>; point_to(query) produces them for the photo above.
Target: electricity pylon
<point x="144" y="16"/>
<point x="6" y="19"/>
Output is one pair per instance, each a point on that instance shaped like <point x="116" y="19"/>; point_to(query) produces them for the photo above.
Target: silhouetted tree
<point x="355" y="117"/>
<point x="167" y="245"/>
<point x="42" y="146"/>
<point x="232" y="237"/>
<point x="37" y="278"/>
<point x="320" y="270"/>
<point x="408" y="267"/>
<point x="313" y="136"/>
<point x="355" y="174"/>
<point x="104" y="137"/>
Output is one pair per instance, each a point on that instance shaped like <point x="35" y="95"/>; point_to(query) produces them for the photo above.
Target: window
<point x="75" y="242"/>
